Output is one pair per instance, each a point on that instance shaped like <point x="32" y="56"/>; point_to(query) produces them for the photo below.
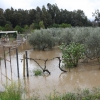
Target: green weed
<point x="37" y="72"/>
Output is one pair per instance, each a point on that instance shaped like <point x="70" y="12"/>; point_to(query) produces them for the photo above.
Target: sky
<point x="88" y="6"/>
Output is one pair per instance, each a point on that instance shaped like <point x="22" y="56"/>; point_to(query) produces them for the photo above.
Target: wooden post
<point x="17" y="62"/>
<point x="0" y="61"/>
<point x="10" y="55"/>
<point x="26" y="63"/>
<point x="10" y="62"/>
<point x="4" y="56"/>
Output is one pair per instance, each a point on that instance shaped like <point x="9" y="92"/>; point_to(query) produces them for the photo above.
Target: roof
<point x="8" y="32"/>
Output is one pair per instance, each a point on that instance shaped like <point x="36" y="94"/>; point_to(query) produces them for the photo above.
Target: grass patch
<point x="12" y="92"/>
<point x="37" y="72"/>
<point x="85" y="94"/>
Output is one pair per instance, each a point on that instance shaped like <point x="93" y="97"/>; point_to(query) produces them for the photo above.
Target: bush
<point x="41" y="40"/>
<point x="66" y="36"/>
<point x="8" y="27"/>
<point x="92" y="45"/>
<point x="80" y="34"/>
<point x="19" y="29"/>
<point x="71" y="54"/>
<point x="41" y="24"/>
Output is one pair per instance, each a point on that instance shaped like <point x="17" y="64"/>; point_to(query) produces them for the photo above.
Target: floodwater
<point x="86" y="75"/>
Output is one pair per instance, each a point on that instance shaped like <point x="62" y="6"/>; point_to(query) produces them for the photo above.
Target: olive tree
<point x="66" y="36"/>
<point x="41" y="39"/>
<point x="92" y="44"/>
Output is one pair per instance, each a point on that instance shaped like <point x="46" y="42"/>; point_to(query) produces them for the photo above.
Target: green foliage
<point x="37" y="72"/>
<point x="55" y="25"/>
<point x="49" y="15"/>
<point x="19" y="29"/>
<point x="85" y="94"/>
<point x="15" y="92"/>
<point x="41" y="25"/>
<point x="96" y="14"/>
<point x="92" y="45"/>
<point x="71" y="54"/>
<point x="2" y="20"/>
<point x="26" y="27"/>
<point x="1" y="28"/>
<point x="41" y="40"/>
<point x="8" y="27"/>
<point x="12" y="92"/>
<point x="66" y="36"/>
<point x="63" y="25"/>
<point x="34" y="26"/>
<point x="90" y="37"/>
<point x="80" y="34"/>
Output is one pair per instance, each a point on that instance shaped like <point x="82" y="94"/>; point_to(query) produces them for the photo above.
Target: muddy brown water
<point x="86" y="75"/>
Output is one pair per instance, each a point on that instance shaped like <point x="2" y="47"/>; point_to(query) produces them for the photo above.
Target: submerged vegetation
<point x="41" y="40"/>
<point x="71" y="54"/>
<point x="85" y="94"/>
<point x="37" y="72"/>
<point x="87" y="36"/>
<point x="77" y="42"/>
<point x="15" y="92"/>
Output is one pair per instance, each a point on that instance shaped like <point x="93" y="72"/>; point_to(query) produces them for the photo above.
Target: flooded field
<point x="86" y="75"/>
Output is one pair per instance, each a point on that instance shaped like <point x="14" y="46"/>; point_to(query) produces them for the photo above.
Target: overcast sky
<point x="88" y="6"/>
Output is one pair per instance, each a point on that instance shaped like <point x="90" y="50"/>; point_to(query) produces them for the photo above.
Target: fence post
<point x="10" y="55"/>
<point x="0" y="60"/>
<point x="26" y="63"/>
<point x="17" y="62"/>
<point x="4" y="57"/>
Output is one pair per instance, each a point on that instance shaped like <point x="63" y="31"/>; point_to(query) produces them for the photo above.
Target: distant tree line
<point x="45" y="17"/>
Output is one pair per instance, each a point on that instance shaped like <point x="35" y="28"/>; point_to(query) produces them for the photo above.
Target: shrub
<point x="66" y="36"/>
<point x="41" y="40"/>
<point x="19" y="29"/>
<point x="92" y="45"/>
<point x="41" y="24"/>
<point x="55" y="25"/>
<point x="80" y="34"/>
<point x="71" y="54"/>
<point x="8" y="27"/>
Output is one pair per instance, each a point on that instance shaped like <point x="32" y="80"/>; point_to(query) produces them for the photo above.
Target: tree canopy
<point x="49" y="16"/>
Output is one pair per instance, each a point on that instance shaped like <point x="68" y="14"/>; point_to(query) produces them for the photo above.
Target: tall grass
<point x="12" y="92"/>
<point x="85" y="94"/>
